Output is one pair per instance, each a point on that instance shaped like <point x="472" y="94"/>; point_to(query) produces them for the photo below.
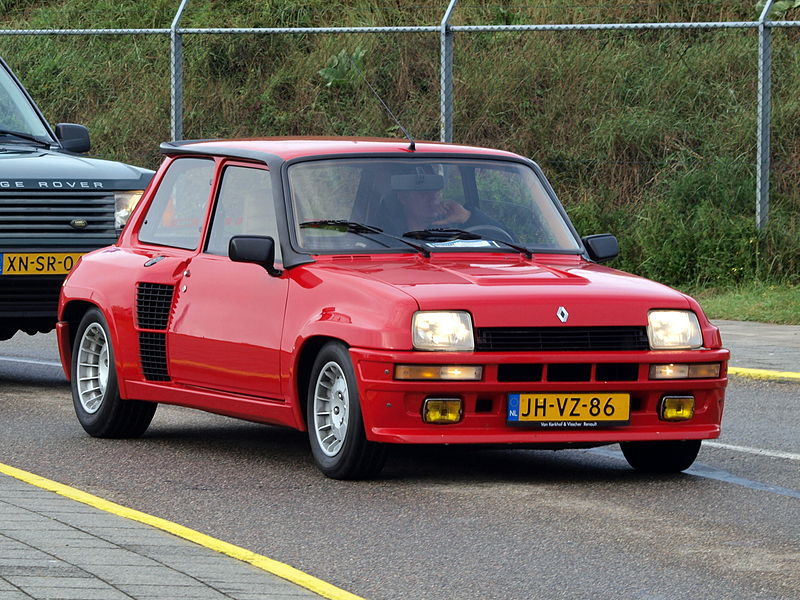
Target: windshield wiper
<point x="445" y="234"/>
<point x="24" y="136"/>
<point x="360" y="228"/>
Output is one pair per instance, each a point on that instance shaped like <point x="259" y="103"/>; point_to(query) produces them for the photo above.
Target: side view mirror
<point x="256" y="249"/>
<point x="601" y="247"/>
<point x="74" y="138"/>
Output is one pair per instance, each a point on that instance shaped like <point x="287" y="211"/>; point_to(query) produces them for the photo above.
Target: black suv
<point x="55" y="205"/>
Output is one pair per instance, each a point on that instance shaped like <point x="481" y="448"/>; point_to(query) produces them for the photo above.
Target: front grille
<point x="153" y="304"/>
<point x="42" y="219"/>
<point x="153" y="355"/>
<point x="558" y="372"/>
<point x="560" y="339"/>
<point x="28" y="295"/>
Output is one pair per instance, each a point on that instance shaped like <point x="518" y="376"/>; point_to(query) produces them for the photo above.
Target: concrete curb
<point x="764" y="374"/>
<point x="279" y="569"/>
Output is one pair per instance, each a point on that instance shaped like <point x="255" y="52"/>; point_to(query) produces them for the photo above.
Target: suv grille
<point x="563" y="339"/>
<point x="30" y="296"/>
<point x="42" y="219"/>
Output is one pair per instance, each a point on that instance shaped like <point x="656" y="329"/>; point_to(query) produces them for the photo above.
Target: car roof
<point x="285" y="148"/>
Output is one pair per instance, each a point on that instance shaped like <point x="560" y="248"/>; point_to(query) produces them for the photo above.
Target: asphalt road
<point x="446" y="522"/>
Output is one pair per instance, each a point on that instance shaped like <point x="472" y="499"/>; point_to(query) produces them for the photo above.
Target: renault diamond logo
<point x="562" y="314"/>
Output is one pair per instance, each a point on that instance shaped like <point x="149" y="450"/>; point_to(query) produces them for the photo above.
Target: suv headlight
<point x="442" y="330"/>
<point x="673" y="330"/>
<point x="124" y="205"/>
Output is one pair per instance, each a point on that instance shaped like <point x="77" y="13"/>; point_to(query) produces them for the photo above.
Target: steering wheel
<point x="491" y="232"/>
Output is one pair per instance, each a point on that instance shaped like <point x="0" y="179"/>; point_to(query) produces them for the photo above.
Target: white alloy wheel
<point x="92" y="368"/>
<point x="331" y="406"/>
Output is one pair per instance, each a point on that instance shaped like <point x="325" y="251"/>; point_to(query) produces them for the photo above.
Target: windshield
<point x="16" y="113"/>
<point x="358" y="205"/>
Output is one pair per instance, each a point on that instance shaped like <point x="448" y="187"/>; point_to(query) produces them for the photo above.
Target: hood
<point x="30" y="168"/>
<point x="504" y="291"/>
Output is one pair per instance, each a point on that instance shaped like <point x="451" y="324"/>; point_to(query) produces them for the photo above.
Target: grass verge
<point x="757" y="301"/>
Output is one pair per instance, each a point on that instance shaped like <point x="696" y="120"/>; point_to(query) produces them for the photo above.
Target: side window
<point x="244" y="207"/>
<point x="175" y="217"/>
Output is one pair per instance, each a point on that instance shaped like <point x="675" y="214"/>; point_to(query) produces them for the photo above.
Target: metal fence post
<point x="176" y="75"/>
<point x="446" y="74"/>
<point x="764" y="116"/>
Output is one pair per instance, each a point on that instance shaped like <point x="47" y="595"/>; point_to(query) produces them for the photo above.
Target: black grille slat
<point x="153" y="355"/>
<point x="561" y="339"/>
<point x="153" y="305"/>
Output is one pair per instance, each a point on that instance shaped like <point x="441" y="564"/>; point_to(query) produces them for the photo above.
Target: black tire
<point x="335" y="424"/>
<point x="95" y="392"/>
<point x="661" y="457"/>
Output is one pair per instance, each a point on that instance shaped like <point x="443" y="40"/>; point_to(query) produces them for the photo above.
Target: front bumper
<point x="392" y="409"/>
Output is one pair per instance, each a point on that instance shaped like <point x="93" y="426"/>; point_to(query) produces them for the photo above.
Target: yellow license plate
<point x="52" y="263"/>
<point x="569" y="411"/>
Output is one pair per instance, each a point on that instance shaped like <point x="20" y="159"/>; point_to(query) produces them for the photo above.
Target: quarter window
<point x="177" y="213"/>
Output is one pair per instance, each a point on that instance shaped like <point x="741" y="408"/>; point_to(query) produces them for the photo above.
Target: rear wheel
<point x="661" y="457"/>
<point x="95" y="393"/>
<point x="335" y="425"/>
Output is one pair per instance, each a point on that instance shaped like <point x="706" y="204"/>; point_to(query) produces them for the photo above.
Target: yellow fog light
<point x="677" y="408"/>
<point x="442" y="410"/>
<point x="685" y="371"/>
<point x="438" y="372"/>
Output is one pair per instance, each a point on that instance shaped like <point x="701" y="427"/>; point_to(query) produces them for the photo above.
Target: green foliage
<point x="344" y="68"/>
<point x="779" y="9"/>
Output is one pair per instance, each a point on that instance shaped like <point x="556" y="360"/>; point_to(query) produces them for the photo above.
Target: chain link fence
<point x="578" y="97"/>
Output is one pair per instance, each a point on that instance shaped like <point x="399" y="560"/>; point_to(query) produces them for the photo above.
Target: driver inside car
<point x="424" y="207"/>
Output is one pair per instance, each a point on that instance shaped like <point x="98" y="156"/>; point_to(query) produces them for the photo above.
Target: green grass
<point x="753" y="302"/>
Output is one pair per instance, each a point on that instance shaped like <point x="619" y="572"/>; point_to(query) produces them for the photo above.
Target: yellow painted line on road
<point x="764" y="373"/>
<point x="282" y="570"/>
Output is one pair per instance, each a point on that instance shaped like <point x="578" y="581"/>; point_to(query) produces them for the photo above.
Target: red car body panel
<point x="236" y="335"/>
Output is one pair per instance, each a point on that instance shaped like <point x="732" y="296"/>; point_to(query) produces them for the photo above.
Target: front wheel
<point x="661" y="457"/>
<point x="335" y="425"/>
<point x="95" y="393"/>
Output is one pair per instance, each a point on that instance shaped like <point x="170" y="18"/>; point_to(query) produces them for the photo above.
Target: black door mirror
<point x="74" y="138"/>
<point x="601" y="247"/>
<point x="257" y="249"/>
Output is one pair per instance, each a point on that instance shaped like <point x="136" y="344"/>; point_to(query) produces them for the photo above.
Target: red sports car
<point x="372" y="292"/>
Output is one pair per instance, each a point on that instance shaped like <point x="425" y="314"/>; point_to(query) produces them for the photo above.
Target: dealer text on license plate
<point x="568" y="410"/>
<point x="48" y="263"/>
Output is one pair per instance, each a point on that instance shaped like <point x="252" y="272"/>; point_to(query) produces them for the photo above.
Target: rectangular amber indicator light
<point x="704" y="371"/>
<point x="685" y="371"/>
<point x="677" y="408"/>
<point x="442" y="410"/>
<point x="438" y="372"/>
